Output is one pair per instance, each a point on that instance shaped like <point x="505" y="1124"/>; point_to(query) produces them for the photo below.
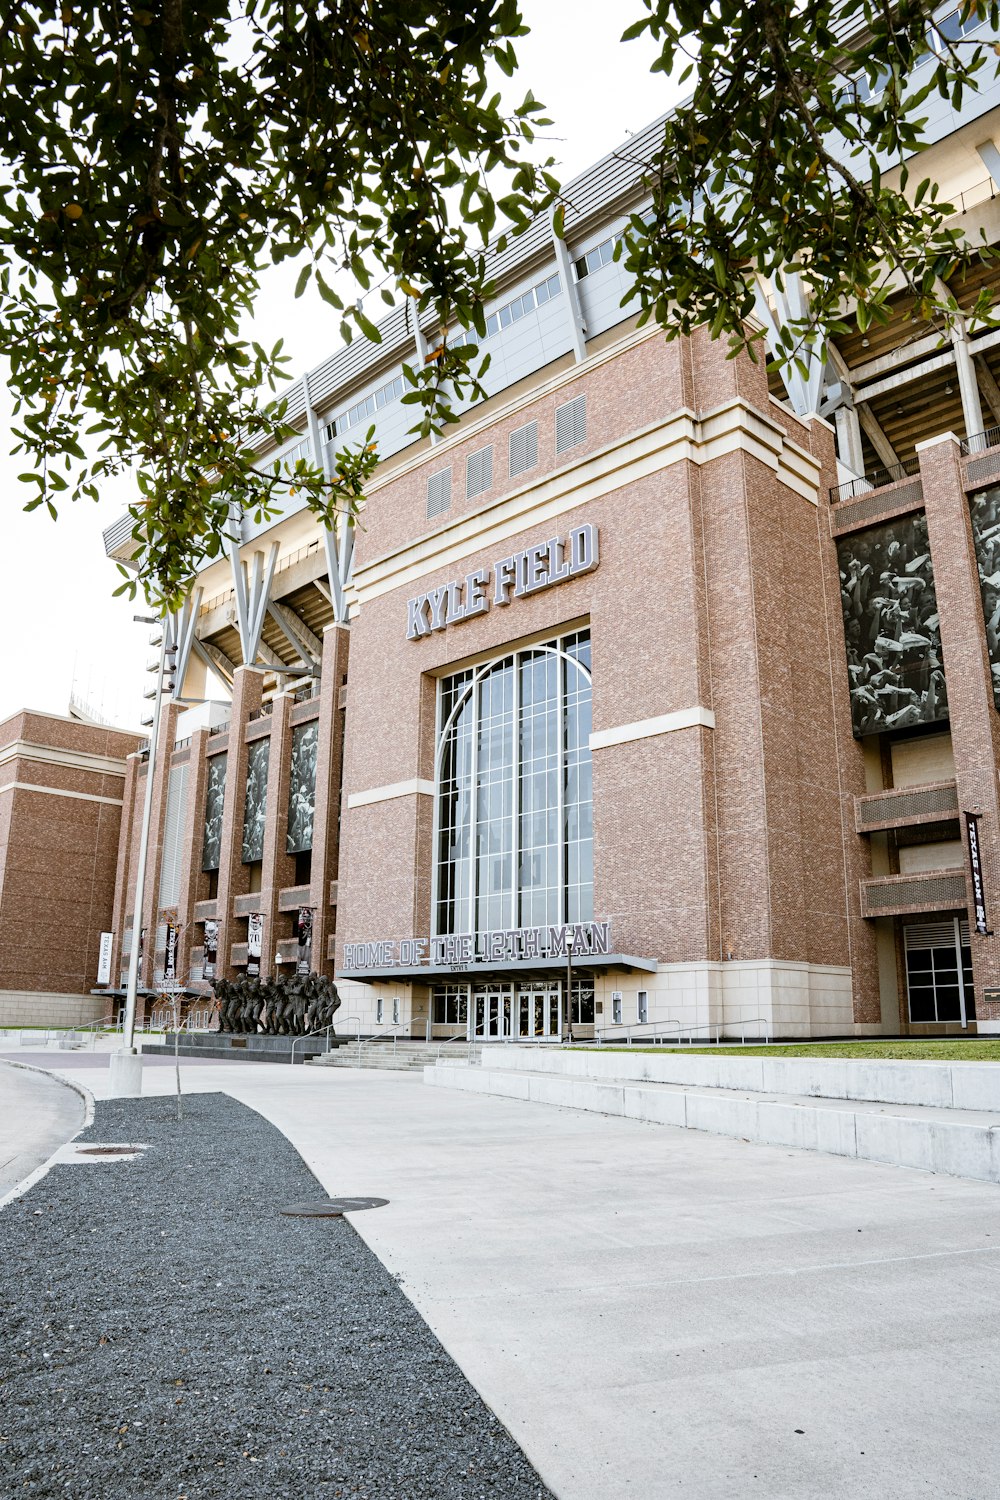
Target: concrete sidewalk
<point x="653" y="1311"/>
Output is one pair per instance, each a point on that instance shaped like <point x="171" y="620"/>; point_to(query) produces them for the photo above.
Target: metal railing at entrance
<point x="669" y="1033"/>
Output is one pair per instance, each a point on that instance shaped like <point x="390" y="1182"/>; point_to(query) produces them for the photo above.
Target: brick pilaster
<point x="193" y="839"/>
<point x="975" y="725"/>
<point x="154" y="849"/>
<point x="279" y="866"/>
<point x="329" y="768"/>
<point x="234" y="879"/>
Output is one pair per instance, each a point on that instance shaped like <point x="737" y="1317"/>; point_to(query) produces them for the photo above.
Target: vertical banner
<point x="976" y="868"/>
<point x="255" y="941"/>
<point x="304" y="961"/>
<point x="104" y="958"/>
<point x="211" y="949"/>
<point x="170" y="954"/>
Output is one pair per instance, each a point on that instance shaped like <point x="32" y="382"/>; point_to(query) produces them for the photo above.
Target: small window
<point x="479" y="472"/>
<point x="379" y="1010"/>
<point x="395" y="1010"/>
<point x="642" y="1006"/>
<point x="571" y="424"/>
<point x="438" y="492"/>
<point x="523" y="449"/>
<point x="616" y="1007"/>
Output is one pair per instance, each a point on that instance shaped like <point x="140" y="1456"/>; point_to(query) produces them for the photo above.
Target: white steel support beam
<point x="886" y="452"/>
<point x="216" y="659"/>
<point x="577" y="323"/>
<point x="297" y="633"/>
<point x="849" y="449"/>
<point x="233" y="541"/>
<point x="338" y="543"/>
<point x="805" y="387"/>
<point x="183" y="623"/>
<point x="972" y="409"/>
<point x="990" y="156"/>
<point x="258" y="592"/>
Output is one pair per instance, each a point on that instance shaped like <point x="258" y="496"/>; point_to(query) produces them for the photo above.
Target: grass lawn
<point x="941" y="1049"/>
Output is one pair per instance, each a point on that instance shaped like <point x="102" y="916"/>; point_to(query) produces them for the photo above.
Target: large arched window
<point x="514" y="806"/>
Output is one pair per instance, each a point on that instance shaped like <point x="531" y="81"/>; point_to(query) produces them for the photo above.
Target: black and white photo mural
<point x="211" y="849"/>
<point x="255" y="807"/>
<point x="894" y="659"/>
<point x="985" y="509"/>
<point x="302" y="787"/>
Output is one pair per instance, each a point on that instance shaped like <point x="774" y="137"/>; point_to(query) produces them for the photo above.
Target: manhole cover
<point x="108" y="1150"/>
<point x="332" y="1208"/>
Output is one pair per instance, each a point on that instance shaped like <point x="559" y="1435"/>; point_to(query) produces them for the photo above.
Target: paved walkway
<point x="654" y="1311"/>
<point x="37" y="1116"/>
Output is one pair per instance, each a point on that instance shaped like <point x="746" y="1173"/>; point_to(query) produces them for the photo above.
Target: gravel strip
<point x="167" y="1333"/>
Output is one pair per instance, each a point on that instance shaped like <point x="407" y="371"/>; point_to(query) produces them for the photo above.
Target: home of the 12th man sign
<point x="513" y="577"/>
<point x="577" y="940"/>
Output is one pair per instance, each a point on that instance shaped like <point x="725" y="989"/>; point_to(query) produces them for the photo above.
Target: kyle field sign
<point x="513" y="577"/>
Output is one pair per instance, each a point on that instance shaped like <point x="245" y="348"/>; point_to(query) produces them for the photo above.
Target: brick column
<point x="975" y="725"/>
<point x="194" y="831"/>
<point x="233" y="877"/>
<point x="154" y="848"/>
<point x="131" y="810"/>
<point x="329" y="768"/>
<point x="278" y="866"/>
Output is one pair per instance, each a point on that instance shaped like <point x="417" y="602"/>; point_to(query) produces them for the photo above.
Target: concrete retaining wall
<point x="943" y="1085"/>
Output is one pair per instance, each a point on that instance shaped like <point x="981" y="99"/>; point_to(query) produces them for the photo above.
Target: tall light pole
<point x="570" y="936"/>
<point x="126" y="1064"/>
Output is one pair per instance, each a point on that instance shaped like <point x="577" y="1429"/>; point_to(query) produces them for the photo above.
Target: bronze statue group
<point x="301" y="1005"/>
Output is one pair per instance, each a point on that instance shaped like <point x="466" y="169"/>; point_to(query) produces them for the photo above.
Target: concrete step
<point x="407" y="1056"/>
<point x="957" y="1142"/>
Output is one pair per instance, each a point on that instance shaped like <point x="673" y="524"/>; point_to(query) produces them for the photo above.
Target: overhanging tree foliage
<point x="159" y="155"/>
<point x="779" y="162"/>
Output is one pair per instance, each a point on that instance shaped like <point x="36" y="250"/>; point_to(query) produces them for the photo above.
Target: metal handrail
<point x="108" y="1023"/>
<point x="467" y="1036"/>
<point x="875" y="479"/>
<point x="978" y="442"/>
<point x="309" y="1036"/>
<point x="686" y="1031"/>
<point x="393" y="1028"/>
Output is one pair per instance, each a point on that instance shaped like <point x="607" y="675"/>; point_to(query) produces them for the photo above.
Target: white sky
<point x="58" y="619"/>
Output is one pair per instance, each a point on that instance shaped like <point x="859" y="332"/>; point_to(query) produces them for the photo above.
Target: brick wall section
<point x="975" y="728"/>
<point x="125" y="871"/>
<point x="327" y="808"/>
<point x="58" y="851"/>
<point x="234" y="878"/>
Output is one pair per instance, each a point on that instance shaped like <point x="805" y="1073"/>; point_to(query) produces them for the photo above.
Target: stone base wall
<point x="24" y="1008"/>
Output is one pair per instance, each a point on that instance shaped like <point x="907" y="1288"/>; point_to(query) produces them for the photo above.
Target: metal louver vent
<point x="933" y="935"/>
<point x="479" y="472"/>
<point x="571" y="424"/>
<point x="523" y="452"/>
<point x="439" y="492"/>
<point x="173" y="837"/>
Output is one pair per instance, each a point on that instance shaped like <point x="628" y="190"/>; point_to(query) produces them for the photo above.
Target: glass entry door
<point x="492" y="1013"/>
<point x="539" y="1014"/>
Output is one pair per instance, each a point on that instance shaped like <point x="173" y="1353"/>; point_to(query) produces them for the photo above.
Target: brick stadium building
<point x="61" y="784"/>
<point x="651" y="658"/>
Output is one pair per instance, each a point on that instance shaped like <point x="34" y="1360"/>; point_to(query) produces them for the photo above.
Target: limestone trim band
<point x="644" y="729"/>
<point x="79" y="760"/>
<point x="58" y="791"/>
<point x="733" y="427"/>
<point x="417" y="787"/>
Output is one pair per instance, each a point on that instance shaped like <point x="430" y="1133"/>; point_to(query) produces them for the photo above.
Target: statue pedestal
<point x="248" y="1047"/>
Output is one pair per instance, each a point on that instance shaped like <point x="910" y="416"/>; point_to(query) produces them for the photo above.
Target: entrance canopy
<point x="502" y="972"/>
